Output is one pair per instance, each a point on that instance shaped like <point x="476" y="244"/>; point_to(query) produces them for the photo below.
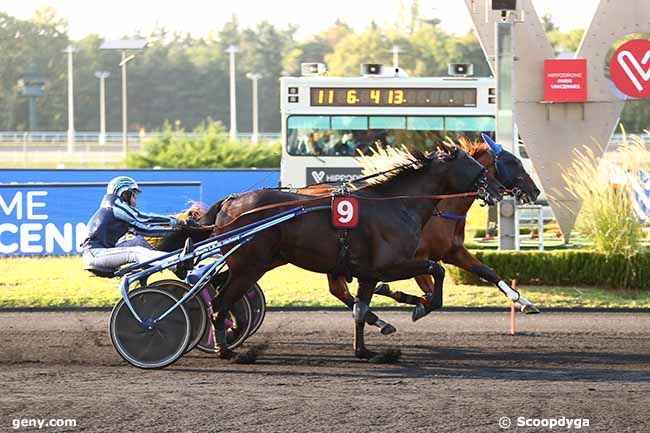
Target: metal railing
<point x="57" y="140"/>
<point x="60" y="138"/>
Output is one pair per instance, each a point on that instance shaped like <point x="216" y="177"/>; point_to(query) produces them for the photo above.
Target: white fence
<point x="56" y="140"/>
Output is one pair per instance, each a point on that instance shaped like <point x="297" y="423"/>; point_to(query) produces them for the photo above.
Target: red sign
<point x="630" y="68"/>
<point x="345" y="212"/>
<point x="565" y="80"/>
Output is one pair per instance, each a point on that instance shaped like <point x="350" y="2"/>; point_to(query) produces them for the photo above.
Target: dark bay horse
<point x="443" y="237"/>
<point x="381" y="248"/>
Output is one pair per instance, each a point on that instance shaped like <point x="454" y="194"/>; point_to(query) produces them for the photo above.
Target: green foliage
<point x="186" y="78"/>
<point x="61" y="282"/>
<point x="564" y="268"/>
<point x="209" y="147"/>
<point x="606" y="217"/>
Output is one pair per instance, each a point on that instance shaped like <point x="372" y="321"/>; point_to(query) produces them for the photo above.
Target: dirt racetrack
<point x="459" y="372"/>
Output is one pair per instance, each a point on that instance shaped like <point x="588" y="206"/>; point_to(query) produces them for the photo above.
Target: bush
<point x="606" y="217"/>
<point x="210" y="148"/>
<point x="564" y="268"/>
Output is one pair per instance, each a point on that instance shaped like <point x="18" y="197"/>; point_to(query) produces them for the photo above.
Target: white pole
<point x="255" y="136"/>
<point x="102" y="75"/>
<point x="125" y="142"/>
<point x="233" y="97"/>
<point x="396" y="50"/>
<point x="70" y="50"/>
<point x="102" y="110"/>
<point x="540" y="227"/>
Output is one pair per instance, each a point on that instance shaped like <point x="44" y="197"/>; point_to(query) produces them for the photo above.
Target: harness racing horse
<point x="381" y="248"/>
<point x="443" y="236"/>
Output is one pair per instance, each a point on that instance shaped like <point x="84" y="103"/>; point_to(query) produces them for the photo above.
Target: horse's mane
<point x="195" y="211"/>
<point x="473" y="148"/>
<point x="397" y="161"/>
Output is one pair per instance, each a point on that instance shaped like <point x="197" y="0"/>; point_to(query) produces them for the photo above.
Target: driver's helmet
<point x="120" y="184"/>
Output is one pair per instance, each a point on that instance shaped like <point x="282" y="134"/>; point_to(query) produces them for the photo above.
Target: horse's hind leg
<point x="236" y="286"/>
<point x="339" y="288"/>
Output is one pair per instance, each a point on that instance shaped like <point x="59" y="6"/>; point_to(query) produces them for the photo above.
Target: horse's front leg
<point x="430" y="284"/>
<point x="339" y="288"/>
<point x="465" y="260"/>
<point x="360" y="310"/>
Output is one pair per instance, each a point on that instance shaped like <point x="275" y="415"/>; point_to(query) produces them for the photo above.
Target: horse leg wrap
<point x="527" y="307"/>
<point x="511" y="293"/>
<point x="485" y="273"/>
<point x="437" y="272"/>
<point x="360" y="310"/>
<point x="403" y="298"/>
<point x="371" y="318"/>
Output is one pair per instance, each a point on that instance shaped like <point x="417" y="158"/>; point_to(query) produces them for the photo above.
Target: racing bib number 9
<point x="345" y="212"/>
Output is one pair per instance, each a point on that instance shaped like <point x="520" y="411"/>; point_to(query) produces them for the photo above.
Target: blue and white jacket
<point x="115" y="218"/>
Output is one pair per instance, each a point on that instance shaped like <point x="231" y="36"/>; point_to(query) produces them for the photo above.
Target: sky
<point x="115" y="18"/>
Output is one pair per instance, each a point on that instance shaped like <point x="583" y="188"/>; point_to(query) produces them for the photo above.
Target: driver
<point x="117" y="215"/>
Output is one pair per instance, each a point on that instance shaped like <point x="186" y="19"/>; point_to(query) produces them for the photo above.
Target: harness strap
<point x="451" y="216"/>
<point x="328" y="195"/>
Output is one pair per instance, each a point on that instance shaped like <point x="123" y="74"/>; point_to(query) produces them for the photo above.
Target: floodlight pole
<point x="125" y="141"/>
<point x="71" y="139"/>
<point x="233" y="97"/>
<point x="505" y="126"/>
<point x="254" y="77"/>
<point x="102" y="75"/>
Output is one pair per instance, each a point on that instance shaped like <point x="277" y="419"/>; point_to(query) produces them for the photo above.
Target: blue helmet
<point x="120" y="184"/>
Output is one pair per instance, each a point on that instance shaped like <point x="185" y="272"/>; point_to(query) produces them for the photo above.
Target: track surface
<point x="459" y="372"/>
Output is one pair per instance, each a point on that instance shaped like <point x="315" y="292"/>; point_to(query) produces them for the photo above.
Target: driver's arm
<point x="144" y="223"/>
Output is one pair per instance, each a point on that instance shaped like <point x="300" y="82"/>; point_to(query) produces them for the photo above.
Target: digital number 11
<point x="330" y="96"/>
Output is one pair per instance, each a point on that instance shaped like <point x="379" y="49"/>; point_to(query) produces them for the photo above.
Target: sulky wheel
<point x="238" y="322"/>
<point x="150" y="344"/>
<point x="196" y="308"/>
<point x="257" y="299"/>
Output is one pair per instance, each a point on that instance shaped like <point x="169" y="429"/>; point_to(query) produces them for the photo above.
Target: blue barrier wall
<point x="45" y="211"/>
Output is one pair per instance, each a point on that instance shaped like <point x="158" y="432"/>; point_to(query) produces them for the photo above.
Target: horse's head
<point x="466" y="174"/>
<point x="511" y="173"/>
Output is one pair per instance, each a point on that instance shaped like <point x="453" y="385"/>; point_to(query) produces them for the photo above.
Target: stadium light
<point x="102" y="75"/>
<point x="124" y="45"/>
<point x="70" y="50"/>
<point x="233" y="97"/>
<point x="254" y="77"/>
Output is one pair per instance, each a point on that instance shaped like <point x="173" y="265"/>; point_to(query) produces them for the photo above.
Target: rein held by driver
<point x="330" y="195"/>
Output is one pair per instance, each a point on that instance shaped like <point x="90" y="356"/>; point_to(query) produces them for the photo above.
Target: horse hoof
<point x="245" y="358"/>
<point x="226" y="354"/>
<point x="530" y="309"/>
<point x="382" y="289"/>
<point x="388" y="329"/>
<point x="419" y="312"/>
<point x="364" y="353"/>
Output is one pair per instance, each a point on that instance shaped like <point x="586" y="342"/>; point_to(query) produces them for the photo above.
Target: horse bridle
<point x="504" y="176"/>
<point x="482" y="188"/>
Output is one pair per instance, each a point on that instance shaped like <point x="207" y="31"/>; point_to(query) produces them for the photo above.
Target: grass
<point x="61" y="281"/>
